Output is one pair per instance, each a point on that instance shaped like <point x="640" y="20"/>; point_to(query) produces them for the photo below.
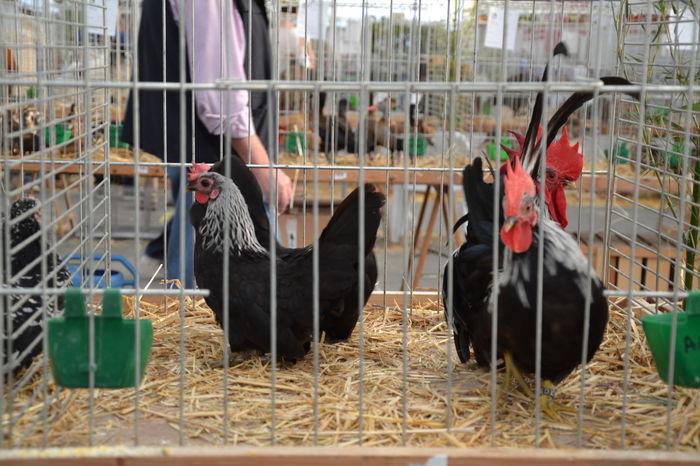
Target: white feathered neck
<point x="229" y="208"/>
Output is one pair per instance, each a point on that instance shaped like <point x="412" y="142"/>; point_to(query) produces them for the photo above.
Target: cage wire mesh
<point x="397" y="93"/>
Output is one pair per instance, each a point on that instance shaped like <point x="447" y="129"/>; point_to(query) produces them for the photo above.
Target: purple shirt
<point x="216" y="57"/>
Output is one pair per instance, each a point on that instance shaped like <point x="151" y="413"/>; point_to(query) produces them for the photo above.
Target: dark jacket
<point x="153" y="137"/>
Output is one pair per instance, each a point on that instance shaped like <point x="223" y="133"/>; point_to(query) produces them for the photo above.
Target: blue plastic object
<point x="118" y="278"/>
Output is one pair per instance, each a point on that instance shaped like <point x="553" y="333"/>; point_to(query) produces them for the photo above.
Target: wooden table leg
<point x="426" y="242"/>
<point x="66" y="198"/>
<point x="421" y="216"/>
<point x="416" y="233"/>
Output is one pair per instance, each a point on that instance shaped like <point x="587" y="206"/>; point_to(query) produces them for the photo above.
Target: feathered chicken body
<point x="339" y="321"/>
<point x="473" y="261"/>
<point x="249" y="266"/>
<point x="23" y="343"/>
<point x="570" y="288"/>
<point x="567" y="279"/>
<point x="472" y="275"/>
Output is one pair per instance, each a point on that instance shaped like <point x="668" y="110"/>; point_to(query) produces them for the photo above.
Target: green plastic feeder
<point x="672" y="157"/>
<point x="291" y="141"/>
<point x="62" y="134"/>
<point x="687" y="358"/>
<point x="491" y="149"/>
<point x="621" y="153"/>
<point x="114" y="342"/>
<point x="416" y="144"/>
<point x="115" y="136"/>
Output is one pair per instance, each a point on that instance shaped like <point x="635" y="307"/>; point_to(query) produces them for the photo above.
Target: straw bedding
<point x="249" y="404"/>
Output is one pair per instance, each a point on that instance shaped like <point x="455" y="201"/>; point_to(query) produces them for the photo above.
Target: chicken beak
<point x="509" y="223"/>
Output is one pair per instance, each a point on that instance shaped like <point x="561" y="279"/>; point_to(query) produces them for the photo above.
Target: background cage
<point x="443" y="83"/>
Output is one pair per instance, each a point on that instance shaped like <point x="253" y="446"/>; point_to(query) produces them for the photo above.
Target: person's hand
<point x="284" y="191"/>
<point x="284" y="187"/>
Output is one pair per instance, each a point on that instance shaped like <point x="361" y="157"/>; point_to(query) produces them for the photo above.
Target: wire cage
<point x="400" y="94"/>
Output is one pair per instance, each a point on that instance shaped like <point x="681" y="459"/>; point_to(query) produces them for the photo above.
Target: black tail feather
<point x="480" y="197"/>
<point x="343" y="226"/>
<point x="460" y="221"/>
<point x="536" y="119"/>
<point x="575" y="102"/>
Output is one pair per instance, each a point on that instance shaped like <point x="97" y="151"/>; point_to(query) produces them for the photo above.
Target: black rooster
<point x="337" y="322"/>
<point x="24" y="342"/>
<point x="567" y="291"/>
<point x="249" y="265"/>
<point x="565" y="279"/>
<point x="565" y="269"/>
<point x="472" y="262"/>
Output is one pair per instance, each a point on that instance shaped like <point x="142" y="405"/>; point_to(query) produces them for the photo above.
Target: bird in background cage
<point x="24" y="342"/>
<point x="220" y="210"/>
<point x="26" y="120"/>
<point x="381" y="132"/>
<point x="566" y="270"/>
<point x="335" y="131"/>
<point x="339" y="321"/>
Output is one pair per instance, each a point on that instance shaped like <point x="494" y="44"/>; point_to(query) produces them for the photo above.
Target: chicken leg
<point x="547" y="404"/>
<point x="512" y="370"/>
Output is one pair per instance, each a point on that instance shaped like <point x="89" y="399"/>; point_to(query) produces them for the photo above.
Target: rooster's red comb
<point x="197" y="169"/>
<point x="565" y="159"/>
<point x="517" y="183"/>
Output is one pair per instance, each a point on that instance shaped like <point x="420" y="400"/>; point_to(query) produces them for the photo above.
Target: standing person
<point x="293" y="51"/>
<point x="217" y="36"/>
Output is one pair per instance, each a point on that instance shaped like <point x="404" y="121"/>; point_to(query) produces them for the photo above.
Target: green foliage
<point x="676" y="121"/>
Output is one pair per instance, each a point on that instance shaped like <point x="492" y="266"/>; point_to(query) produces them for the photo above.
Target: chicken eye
<point x="205" y="183"/>
<point x="550" y="175"/>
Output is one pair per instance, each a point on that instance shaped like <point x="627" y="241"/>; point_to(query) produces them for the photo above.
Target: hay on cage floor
<point x="198" y="392"/>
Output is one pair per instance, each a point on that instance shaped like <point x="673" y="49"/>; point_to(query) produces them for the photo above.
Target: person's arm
<point x="222" y="56"/>
<point x="252" y="151"/>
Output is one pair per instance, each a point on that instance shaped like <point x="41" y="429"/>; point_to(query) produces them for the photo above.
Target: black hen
<point x="338" y="322"/>
<point x="24" y="342"/>
<point x="249" y="266"/>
